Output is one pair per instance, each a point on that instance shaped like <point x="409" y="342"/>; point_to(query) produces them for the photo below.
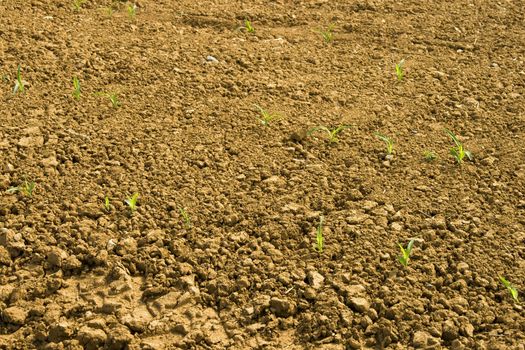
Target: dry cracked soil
<point x="221" y="251"/>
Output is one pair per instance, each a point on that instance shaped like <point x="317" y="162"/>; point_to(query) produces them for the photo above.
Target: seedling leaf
<point x="319" y="235"/>
<point x="405" y="253"/>
<point x="512" y="290"/>
<point x="388" y="142"/>
<point x="132" y="202"/>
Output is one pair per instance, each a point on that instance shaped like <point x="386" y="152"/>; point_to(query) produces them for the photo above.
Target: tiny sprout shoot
<point x="388" y="142"/>
<point x="429" y="156"/>
<point x="248" y="26"/>
<point x="76" y="88"/>
<point x="399" y="70"/>
<point x="185" y="217"/>
<point x="77" y="4"/>
<point x="132" y="10"/>
<point x="112" y="96"/>
<point x="132" y="202"/>
<point x="26" y="188"/>
<point x="109" y="11"/>
<point x="319" y="235"/>
<point x="266" y="117"/>
<point x="405" y="253"/>
<point x="328" y="33"/>
<point x="107" y="204"/>
<point x="512" y="290"/>
<point x="458" y="151"/>
<point x="19" y="84"/>
<point x="332" y="134"/>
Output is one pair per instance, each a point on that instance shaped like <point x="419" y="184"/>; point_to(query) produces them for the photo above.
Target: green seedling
<point x="429" y="156"/>
<point x="319" y="235"/>
<point x="388" y="142"/>
<point x="405" y="253"/>
<point x="399" y="70"/>
<point x="328" y="33"/>
<point x="19" y="83"/>
<point x="458" y="151"/>
<point x="185" y="217"/>
<point x="107" y="204"/>
<point x="266" y="117"/>
<point x="332" y="134"/>
<point x="109" y="11"/>
<point x="77" y="4"/>
<point x="112" y="96"/>
<point x="132" y="10"/>
<point x="76" y="88"/>
<point x="512" y="290"/>
<point x="248" y="26"/>
<point x="26" y="188"/>
<point x="132" y="202"/>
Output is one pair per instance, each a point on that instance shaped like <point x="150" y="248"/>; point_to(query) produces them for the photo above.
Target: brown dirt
<point x="245" y="274"/>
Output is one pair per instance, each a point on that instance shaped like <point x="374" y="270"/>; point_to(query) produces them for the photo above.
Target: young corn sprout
<point x="76" y="88"/>
<point x="429" y="156"/>
<point x="19" y="83"/>
<point x="328" y="33"/>
<point x="388" y="142"/>
<point x="266" y="117"/>
<point x="132" y="202"/>
<point x="26" y="188"/>
<point x="512" y="290"/>
<point x="248" y="26"/>
<point x="319" y="235"/>
<point x="458" y="151"/>
<point x="112" y="96"/>
<point x="405" y="253"/>
<point x="107" y="204"/>
<point x="185" y="217"/>
<point x="132" y="10"/>
<point x="332" y="134"/>
<point x="399" y="70"/>
<point x="77" y="4"/>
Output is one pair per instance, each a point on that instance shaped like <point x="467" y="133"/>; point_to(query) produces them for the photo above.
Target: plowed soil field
<point x="223" y="247"/>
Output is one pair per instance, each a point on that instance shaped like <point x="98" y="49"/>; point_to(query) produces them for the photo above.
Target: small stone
<point x="396" y="226"/>
<point x="315" y="279"/>
<point x="55" y="257"/>
<point x="356" y="289"/>
<point x="31" y="141"/>
<point x="369" y="205"/>
<point x="450" y="331"/>
<point x="489" y="161"/>
<point x="212" y="59"/>
<point x="5" y="257"/>
<point x="421" y="339"/>
<point x="355" y="194"/>
<point x="15" y="315"/>
<point x="72" y="263"/>
<point x="356" y="218"/>
<point x="12" y="241"/>
<point x="359" y="304"/>
<point x="119" y="338"/>
<point x="310" y="293"/>
<point x="127" y="246"/>
<point x="467" y="330"/>
<point x="112" y="243"/>
<point x="49" y="162"/>
<point x="459" y="305"/>
<point x="282" y="307"/>
<point x="91" y="338"/>
<point x="60" y="331"/>
<point x="462" y="267"/>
